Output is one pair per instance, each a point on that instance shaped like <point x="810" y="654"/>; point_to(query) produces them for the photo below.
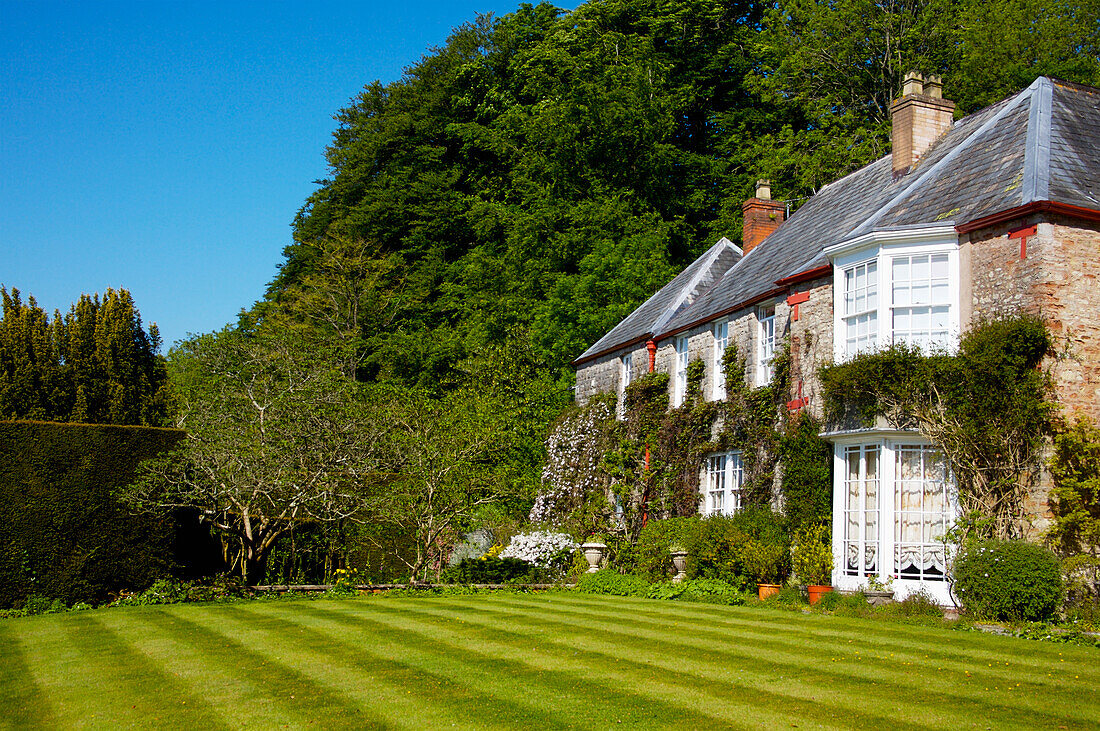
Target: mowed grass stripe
<point x="23" y="702"/>
<point x="637" y="659"/>
<point x="552" y="695"/>
<point x="966" y="650"/>
<point x="970" y="648"/>
<point x="937" y="699"/>
<point x="245" y="689"/>
<point x="387" y="690"/>
<point x="826" y="646"/>
<point x="1024" y="691"/>
<point x="97" y="681"/>
<point x="629" y="668"/>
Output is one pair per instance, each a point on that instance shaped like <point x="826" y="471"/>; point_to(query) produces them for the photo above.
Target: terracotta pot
<point x="593" y="553"/>
<point x="679" y="561"/>
<point x="766" y="590"/>
<point x="816" y="592"/>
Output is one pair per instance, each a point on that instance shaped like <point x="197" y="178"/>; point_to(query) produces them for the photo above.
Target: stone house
<point x="996" y="213"/>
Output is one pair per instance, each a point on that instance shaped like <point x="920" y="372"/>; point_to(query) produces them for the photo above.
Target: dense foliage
<point x="542" y="173"/>
<point x="1008" y="580"/>
<point x="987" y="407"/>
<point x="63" y="535"/>
<point x="1075" y="498"/>
<point x="96" y="364"/>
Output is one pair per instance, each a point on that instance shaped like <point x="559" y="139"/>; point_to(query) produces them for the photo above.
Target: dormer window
<point x="766" y="352"/>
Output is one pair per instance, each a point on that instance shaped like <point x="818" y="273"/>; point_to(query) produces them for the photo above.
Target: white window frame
<point x="886" y="542"/>
<point x="765" y="344"/>
<point x="722" y="484"/>
<point x="882" y="248"/>
<point x="679" y="379"/>
<point x="626" y="375"/>
<point x="721" y="332"/>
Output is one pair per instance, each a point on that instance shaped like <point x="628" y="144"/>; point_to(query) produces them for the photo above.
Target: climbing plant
<point x="987" y="407"/>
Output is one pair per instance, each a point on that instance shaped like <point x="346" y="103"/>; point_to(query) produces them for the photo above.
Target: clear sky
<point x="164" y="147"/>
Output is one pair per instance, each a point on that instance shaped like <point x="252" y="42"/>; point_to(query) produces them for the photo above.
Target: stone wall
<point x="603" y="375"/>
<point x="1058" y="279"/>
<point x="811" y="337"/>
<point x="1056" y="275"/>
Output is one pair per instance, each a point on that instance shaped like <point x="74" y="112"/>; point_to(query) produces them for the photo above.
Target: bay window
<point x="894" y="287"/>
<point x="894" y="503"/>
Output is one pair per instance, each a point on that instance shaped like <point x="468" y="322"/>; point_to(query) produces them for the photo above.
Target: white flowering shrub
<point x="542" y="548"/>
<point x="574" y="450"/>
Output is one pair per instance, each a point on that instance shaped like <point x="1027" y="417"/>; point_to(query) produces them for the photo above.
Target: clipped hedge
<point x="1009" y="581"/>
<point x="62" y="533"/>
<point x="493" y="571"/>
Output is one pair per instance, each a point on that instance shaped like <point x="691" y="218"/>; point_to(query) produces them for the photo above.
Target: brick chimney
<point x="919" y="118"/>
<point x="762" y="216"/>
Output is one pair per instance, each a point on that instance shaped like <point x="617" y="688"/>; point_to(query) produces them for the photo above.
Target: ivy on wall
<point x="987" y="408"/>
<point x="654" y="455"/>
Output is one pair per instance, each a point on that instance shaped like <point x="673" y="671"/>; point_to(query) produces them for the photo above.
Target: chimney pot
<point x="764" y="190"/>
<point x="933" y="86"/>
<point x="762" y="216"/>
<point x="917" y="120"/>
<point x="912" y="84"/>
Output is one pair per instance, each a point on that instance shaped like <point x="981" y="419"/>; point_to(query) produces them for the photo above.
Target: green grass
<point x="541" y="661"/>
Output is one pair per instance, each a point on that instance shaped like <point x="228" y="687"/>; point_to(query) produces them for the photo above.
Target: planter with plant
<point x="764" y="562"/>
<point x="812" y="559"/>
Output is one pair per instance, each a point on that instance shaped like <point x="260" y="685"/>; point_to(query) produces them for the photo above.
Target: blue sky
<point x="164" y="147"/>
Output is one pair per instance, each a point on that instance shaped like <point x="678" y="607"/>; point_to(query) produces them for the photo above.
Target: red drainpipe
<point x="651" y="348"/>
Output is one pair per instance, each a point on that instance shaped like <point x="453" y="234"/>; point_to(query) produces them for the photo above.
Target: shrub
<point x="63" y="534"/>
<point x="844" y="604"/>
<point x="650" y="555"/>
<point x="493" y="571"/>
<point x="543" y="549"/>
<point x="789" y="597"/>
<point x="711" y="591"/>
<point x="613" y="583"/>
<point x="812" y="555"/>
<point x="741" y="548"/>
<point x="1008" y="581"/>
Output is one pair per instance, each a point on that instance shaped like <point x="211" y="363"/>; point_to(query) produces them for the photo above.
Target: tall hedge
<point x="62" y="533"/>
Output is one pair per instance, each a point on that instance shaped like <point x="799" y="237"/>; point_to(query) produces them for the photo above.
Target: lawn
<point x="553" y="660"/>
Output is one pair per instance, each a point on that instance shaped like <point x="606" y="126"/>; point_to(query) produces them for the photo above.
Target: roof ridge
<point x="932" y="172"/>
<point x="703" y="269"/>
<point x="1037" y="148"/>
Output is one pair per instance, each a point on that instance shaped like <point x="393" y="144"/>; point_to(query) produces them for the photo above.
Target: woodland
<point x="492" y="213"/>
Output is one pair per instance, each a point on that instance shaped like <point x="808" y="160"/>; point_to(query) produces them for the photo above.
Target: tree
<point x="275" y="435"/>
<point x="97" y="364"/>
<point x="443" y="456"/>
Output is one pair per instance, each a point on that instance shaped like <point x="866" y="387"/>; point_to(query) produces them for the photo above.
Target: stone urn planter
<point x="816" y="591"/>
<point x="679" y="562"/>
<point x="878" y="598"/>
<point x="593" y="554"/>
<point x="766" y="590"/>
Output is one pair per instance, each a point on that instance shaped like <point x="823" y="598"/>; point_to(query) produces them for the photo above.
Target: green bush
<point x="493" y="571"/>
<point x="650" y="555"/>
<point x="62" y="532"/>
<point x="1008" y="581"/>
<point x="711" y="591"/>
<point x="610" y="582"/>
<point x="739" y="548"/>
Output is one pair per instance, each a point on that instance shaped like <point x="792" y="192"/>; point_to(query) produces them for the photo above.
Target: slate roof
<point x="1043" y="144"/>
<point x="654" y="314"/>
